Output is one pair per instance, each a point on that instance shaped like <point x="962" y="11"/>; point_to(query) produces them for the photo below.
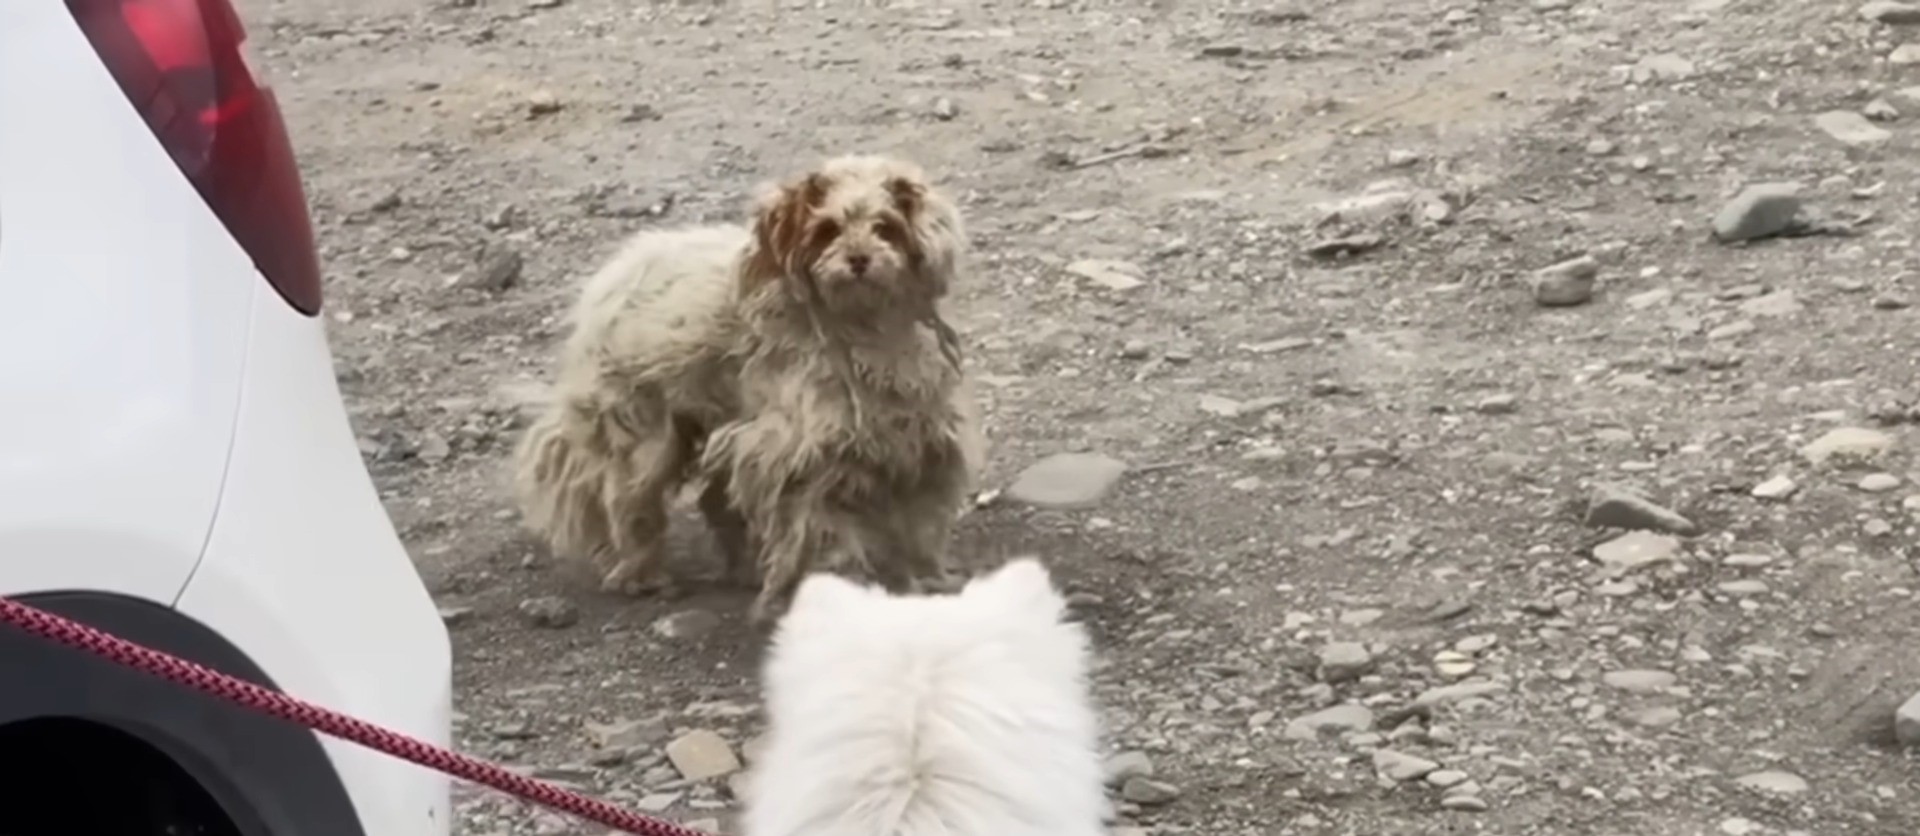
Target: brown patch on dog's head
<point x="864" y="233"/>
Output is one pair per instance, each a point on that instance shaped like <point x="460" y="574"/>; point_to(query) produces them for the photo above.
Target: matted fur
<point x="958" y="715"/>
<point x="800" y="367"/>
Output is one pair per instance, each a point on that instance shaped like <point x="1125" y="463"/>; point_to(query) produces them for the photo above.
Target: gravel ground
<point x="1472" y="484"/>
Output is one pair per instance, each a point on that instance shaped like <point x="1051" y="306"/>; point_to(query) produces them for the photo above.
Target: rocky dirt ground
<point x="1470" y="484"/>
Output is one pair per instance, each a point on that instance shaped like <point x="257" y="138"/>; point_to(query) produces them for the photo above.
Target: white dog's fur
<point x="956" y="715"/>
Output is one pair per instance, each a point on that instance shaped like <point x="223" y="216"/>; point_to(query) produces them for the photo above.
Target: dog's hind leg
<point x="638" y="508"/>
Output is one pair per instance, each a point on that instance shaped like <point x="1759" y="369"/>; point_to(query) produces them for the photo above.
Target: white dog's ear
<point x="825" y="592"/>
<point x="1023" y="586"/>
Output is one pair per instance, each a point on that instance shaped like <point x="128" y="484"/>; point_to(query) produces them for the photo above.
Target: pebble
<point x="702" y="754"/>
<point x="1906" y="723"/>
<point x="1775" y="781"/>
<point x="627" y="734"/>
<point x="550" y="611"/>
<point x="1067" y="480"/>
<point x="1464" y="803"/>
<point x="686" y="625"/>
<point x="1743" y="587"/>
<point x="1891" y="13"/>
<point x="1453" y="664"/>
<point x="1108" y="273"/>
<point x="1566" y="284"/>
<point x="1458" y="691"/>
<point x="1758" y="211"/>
<point x="1852" y="128"/>
<point x="1904" y="55"/>
<point x="1635" y="549"/>
<point x="1344" y="662"/>
<point x="1143" y="790"/>
<point x="1639" y="681"/>
<point x="1618" y="506"/>
<point x="542" y="103"/>
<point x="1777" y="488"/>
<point x="1337" y="719"/>
<point x="1878" y="482"/>
<point x="1499" y="403"/>
<point x="499" y="270"/>
<point x="1124" y="765"/>
<point x="1748" y="561"/>
<point x="1399" y="766"/>
<point x="1656" y="717"/>
<point x="1444" y="778"/>
<point x="1855" y="443"/>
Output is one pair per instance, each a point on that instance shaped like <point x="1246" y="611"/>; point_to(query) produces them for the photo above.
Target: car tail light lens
<point x="182" y="65"/>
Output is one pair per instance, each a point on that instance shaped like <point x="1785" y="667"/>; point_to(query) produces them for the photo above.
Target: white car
<point x="176" y="465"/>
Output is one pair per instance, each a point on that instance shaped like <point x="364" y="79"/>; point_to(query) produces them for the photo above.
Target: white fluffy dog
<point x="953" y="715"/>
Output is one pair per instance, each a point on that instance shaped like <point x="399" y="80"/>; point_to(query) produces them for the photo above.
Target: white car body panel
<point x="122" y="333"/>
<point x="304" y="573"/>
<point x="171" y="430"/>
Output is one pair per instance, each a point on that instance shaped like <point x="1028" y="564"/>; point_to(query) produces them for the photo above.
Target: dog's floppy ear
<point x="780" y="226"/>
<point x="1022" y="586"/>
<point x="909" y="194"/>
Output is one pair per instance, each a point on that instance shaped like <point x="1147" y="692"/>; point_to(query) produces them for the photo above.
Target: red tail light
<point x="181" y="64"/>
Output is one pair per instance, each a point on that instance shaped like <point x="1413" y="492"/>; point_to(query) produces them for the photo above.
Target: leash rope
<point x="266" y="701"/>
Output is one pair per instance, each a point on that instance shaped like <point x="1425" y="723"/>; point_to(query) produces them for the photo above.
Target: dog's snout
<point x="858" y="263"/>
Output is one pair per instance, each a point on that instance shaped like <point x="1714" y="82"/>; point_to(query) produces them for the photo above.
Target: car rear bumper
<point x="304" y="573"/>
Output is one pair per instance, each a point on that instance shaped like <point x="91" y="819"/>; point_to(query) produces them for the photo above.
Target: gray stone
<point x="686" y="625"/>
<point x="1635" y="549"/>
<point x="1444" y="778"/>
<point x="1878" y="482"/>
<point x="1618" y="506"/>
<point x="1142" y="790"/>
<point x="1758" y="211"/>
<point x="702" y="754"/>
<point x="1656" y="717"/>
<point x="1851" y="128"/>
<point x="1348" y="717"/>
<point x="628" y="734"/>
<point x="1774" y="781"/>
<point x="1400" y="766"/>
<point x="1891" y="13"/>
<point x="1777" y="303"/>
<point x="1904" y="55"/>
<point x="1777" y="488"/>
<point x="1464" y="803"/>
<point x="1067" y="480"/>
<point x="499" y="269"/>
<point x="1847" y="443"/>
<point x="1471" y="689"/>
<point x="1344" y="662"/>
<point x="1125" y="765"/>
<point x="1566" y="284"/>
<point x="1906" y="723"/>
<point x="1107" y="273"/>
<point x="550" y="611"/>
<point x="1743" y="588"/>
<point x="1639" y="681"/>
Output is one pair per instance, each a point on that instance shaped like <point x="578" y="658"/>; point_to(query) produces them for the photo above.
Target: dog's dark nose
<point x="858" y="263"/>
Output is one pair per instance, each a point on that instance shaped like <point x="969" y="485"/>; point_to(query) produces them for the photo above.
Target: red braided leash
<point x="333" y="724"/>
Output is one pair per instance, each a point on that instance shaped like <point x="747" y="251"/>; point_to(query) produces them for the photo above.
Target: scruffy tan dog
<point x="800" y="369"/>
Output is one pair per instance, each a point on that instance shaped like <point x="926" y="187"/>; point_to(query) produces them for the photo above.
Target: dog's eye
<point x="825" y="231"/>
<point x="890" y="231"/>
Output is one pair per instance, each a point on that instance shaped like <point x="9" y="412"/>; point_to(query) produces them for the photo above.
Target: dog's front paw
<point x="945" y="583"/>
<point x="628" y="580"/>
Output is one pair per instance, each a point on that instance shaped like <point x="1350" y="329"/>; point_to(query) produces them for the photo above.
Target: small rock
<point x="1776" y="489"/>
<point x="1777" y="303"/>
<point x="1067" y="480"/>
<point x="1880" y="110"/>
<point x="1110" y="274"/>
<point x="550" y="611"/>
<point x="702" y="754"/>
<point x="1635" y="549"/>
<point x="1847" y="443"/>
<point x="1347" y="717"/>
<point x="542" y="103"/>
<point x="1666" y="66"/>
<point x="1344" y="662"/>
<point x="1499" y="403"/>
<point x="686" y="625"/>
<point x="433" y="448"/>
<point x="1618" y="506"/>
<point x="1904" y="55"/>
<point x="1444" y="778"/>
<point x="1125" y="765"/>
<point x="1656" y="717"/>
<point x="944" y="109"/>
<point x="1906" y="723"/>
<point x="1142" y="790"/>
<point x="1399" y="766"/>
<point x="1639" y="681"/>
<point x="1852" y="128"/>
<point x="1774" y="781"/>
<point x="1743" y="587"/>
<point x="1891" y="13"/>
<point x="628" y="734"/>
<point x="499" y="270"/>
<point x="387" y="203"/>
<point x="454" y="616"/>
<point x="1758" y="211"/>
<point x="1878" y="482"/>
<point x="1464" y="803"/>
<point x="657" y="803"/>
<point x="1566" y="284"/>
<point x="1458" y="691"/>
